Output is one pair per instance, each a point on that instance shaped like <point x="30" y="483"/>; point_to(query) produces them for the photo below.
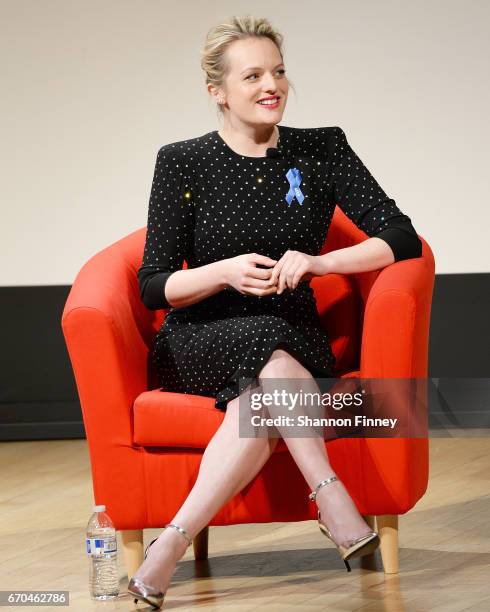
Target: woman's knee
<point x="282" y="364"/>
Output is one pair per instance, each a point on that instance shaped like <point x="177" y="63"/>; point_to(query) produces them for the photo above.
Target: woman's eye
<point x="281" y="70"/>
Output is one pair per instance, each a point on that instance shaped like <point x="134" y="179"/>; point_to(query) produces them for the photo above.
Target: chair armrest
<point x="393" y="472"/>
<point x="106" y="349"/>
<point x="395" y="336"/>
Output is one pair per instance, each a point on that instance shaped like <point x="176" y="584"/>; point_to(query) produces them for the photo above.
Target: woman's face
<point x="255" y="70"/>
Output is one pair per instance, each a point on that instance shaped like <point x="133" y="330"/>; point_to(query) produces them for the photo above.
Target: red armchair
<point x="137" y="435"/>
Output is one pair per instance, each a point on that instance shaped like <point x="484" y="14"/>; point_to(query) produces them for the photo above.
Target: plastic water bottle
<point x="102" y="552"/>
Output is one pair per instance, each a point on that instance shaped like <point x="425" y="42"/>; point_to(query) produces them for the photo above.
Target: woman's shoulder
<point x="186" y="146"/>
<point x="186" y="150"/>
<point x="319" y="141"/>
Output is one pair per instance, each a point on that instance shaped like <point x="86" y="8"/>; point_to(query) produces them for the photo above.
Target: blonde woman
<point x="248" y="207"/>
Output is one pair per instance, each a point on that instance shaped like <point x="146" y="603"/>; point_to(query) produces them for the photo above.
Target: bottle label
<point x="97" y="547"/>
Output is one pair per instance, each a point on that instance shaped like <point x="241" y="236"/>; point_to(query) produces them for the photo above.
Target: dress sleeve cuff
<point x="403" y="241"/>
<point x="152" y="289"/>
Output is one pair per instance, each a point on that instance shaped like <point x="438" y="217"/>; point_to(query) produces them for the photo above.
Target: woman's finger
<point x="282" y="281"/>
<point x="277" y="269"/>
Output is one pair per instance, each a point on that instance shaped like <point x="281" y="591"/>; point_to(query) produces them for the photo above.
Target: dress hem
<point x="233" y="386"/>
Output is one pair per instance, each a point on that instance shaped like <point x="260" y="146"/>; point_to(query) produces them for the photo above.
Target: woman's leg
<point x="228" y="464"/>
<point x="338" y="511"/>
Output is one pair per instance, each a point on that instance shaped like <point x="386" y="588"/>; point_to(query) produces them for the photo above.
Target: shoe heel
<point x="364" y="545"/>
<point x="145" y="592"/>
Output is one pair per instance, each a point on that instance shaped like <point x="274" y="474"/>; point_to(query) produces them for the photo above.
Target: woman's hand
<point x="242" y="274"/>
<point x="295" y="267"/>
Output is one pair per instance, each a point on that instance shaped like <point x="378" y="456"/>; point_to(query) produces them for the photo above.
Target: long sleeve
<point x="362" y="199"/>
<point x="169" y="227"/>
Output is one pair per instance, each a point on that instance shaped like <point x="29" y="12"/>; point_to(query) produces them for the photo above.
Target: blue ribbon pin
<point x="294" y="177"/>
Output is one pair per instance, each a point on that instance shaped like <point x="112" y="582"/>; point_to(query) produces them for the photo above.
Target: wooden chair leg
<point x="369" y="561"/>
<point x="200" y="544"/>
<point x="132" y="542"/>
<point x="388" y="533"/>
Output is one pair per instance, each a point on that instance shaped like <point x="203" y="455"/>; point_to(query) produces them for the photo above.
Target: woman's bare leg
<point x="228" y="464"/>
<point x="338" y="510"/>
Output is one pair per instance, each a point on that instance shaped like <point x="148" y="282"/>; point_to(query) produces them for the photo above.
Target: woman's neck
<point x="250" y="142"/>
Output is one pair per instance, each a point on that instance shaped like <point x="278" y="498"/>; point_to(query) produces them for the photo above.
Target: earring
<point x="221" y="101"/>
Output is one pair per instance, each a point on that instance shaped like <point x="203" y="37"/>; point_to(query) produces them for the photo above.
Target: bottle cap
<point x="100" y="508"/>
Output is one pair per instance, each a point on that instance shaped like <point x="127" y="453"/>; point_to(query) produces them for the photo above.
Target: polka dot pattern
<point x="210" y="203"/>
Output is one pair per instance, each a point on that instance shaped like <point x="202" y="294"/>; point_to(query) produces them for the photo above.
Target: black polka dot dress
<point x="210" y="203"/>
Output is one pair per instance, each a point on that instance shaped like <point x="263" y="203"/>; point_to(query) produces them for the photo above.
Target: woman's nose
<point x="269" y="83"/>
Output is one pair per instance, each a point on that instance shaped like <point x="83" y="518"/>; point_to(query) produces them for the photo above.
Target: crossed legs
<point x="230" y="462"/>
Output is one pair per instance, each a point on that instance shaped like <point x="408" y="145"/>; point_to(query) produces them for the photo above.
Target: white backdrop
<point x="92" y="89"/>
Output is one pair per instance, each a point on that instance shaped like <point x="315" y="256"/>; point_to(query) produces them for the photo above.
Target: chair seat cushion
<point x="165" y="418"/>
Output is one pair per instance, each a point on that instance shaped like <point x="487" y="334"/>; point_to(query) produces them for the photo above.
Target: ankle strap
<point x="312" y="495"/>
<point x="182" y="531"/>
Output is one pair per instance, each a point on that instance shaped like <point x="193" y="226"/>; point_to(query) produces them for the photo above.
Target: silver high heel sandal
<point x="364" y="545"/>
<point x="145" y="592"/>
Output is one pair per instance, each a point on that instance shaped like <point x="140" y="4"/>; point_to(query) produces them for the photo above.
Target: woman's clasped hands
<point x="242" y="272"/>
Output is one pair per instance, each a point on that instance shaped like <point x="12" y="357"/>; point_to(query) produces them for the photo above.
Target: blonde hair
<point x="220" y="37"/>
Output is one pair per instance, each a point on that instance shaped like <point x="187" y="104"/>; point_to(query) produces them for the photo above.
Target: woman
<point x="251" y="231"/>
